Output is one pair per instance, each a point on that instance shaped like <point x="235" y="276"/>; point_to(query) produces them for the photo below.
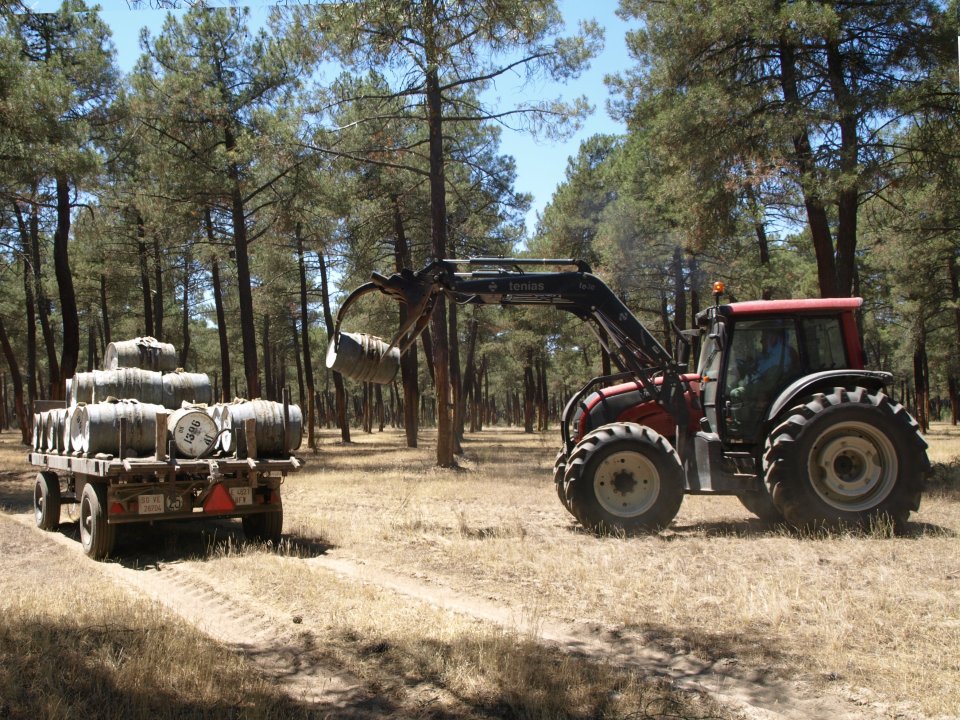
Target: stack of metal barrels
<point x="141" y="379"/>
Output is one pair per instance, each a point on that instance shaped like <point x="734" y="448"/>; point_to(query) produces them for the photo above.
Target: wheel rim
<point x="626" y="484"/>
<point x="86" y="522"/>
<point x="853" y="466"/>
<point x="38" y="502"/>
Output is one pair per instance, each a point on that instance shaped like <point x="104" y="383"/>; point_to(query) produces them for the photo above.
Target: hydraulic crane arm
<point x="504" y="281"/>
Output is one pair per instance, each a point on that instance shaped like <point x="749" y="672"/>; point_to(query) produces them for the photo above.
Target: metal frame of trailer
<point x="116" y="490"/>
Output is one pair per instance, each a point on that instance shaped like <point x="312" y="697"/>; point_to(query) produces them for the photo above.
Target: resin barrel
<point x="193" y="431"/>
<point x="364" y="358"/>
<point x="142" y="352"/>
<point x="98" y="427"/>
<point x="270" y="435"/>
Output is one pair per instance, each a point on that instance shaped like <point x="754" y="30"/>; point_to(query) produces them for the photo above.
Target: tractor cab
<point x="753" y="352"/>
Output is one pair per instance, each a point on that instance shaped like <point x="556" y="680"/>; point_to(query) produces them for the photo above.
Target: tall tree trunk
<point x="469" y="372"/>
<point x="921" y="377"/>
<point x="409" y="362"/>
<point x="305" y="339"/>
<point x="848" y="197"/>
<point x="221" y="315"/>
<point x="157" y="287"/>
<point x="529" y="393"/>
<point x="144" y="278"/>
<point x="267" y="364"/>
<point x="28" y="289"/>
<point x="70" y="318"/>
<point x="679" y="291"/>
<point x="953" y="370"/>
<point x="23" y="419"/>
<point x="185" y="322"/>
<point x="30" y="234"/>
<point x="456" y="382"/>
<point x="104" y="314"/>
<point x="302" y="396"/>
<point x="248" y="331"/>
<point x="806" y="166"/>
<point x="438" y="216"/>
<point x="340" y="393"/>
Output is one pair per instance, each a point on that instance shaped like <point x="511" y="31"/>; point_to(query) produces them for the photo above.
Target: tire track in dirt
<point x="241" y="624"/>
<point x="289" y="657"/>
<point x="753" y="694"/>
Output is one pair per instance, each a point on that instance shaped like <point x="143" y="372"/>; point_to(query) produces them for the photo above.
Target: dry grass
<point x="845" y="611"/>
<point x="864" y="610"/>
<point x="72" y="645"/>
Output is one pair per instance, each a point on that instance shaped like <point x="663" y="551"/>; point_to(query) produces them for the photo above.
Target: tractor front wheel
<point x="559" y="470"/>
<point x="847" y="458"/>
<point x="624" y="477"/>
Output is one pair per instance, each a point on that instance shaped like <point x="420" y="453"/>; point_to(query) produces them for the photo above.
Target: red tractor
<point x="780" y="411"/>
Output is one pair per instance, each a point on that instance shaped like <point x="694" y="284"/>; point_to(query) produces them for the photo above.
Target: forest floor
<point x="404" y="590"/>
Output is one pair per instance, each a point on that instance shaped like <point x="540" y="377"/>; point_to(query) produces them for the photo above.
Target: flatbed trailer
<point x="115" y="490"/>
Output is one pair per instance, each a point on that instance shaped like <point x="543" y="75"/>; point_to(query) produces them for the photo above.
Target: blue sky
<point x="540" y="164"/>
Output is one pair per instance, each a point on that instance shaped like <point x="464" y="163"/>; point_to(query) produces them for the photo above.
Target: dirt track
<point x="286" y="651"/>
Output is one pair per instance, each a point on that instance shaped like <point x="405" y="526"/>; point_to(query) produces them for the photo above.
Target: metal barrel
<point x="78" y="428"/>
<point x="54" y="430"/>
<point x="364" y="358"/>
<point x="146" y="353"/>
<point x="45" y="432"/>
<point x="183" y="387"/>
<point x="100" y="425"/>
<point x="193" y="431"/>
<point x="126" y="383"/>
<point x="269" y="417"/>
<point x="65" y="430"/>
<point x="39" y="440"/>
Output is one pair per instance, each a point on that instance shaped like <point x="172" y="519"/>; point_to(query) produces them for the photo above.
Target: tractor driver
<point x="768" y="361"/>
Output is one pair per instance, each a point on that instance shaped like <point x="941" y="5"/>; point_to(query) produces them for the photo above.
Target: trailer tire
<point x="847" y="458"/>
<point x="96" y="536"/>
<point x="263" y="527"/>
<point x="624" y="477"/>
<point x="46" y="500"/>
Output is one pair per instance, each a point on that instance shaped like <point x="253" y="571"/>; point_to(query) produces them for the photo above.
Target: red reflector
<point x="117" y="508"/>
<point x="219" y="500"/>
<point x="274" y="497"/>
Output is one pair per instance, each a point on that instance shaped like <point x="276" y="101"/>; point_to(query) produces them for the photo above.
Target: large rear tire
<point x="46" y="500"/>
<point x="625" y="477"/>
<point x="96" y="535"/>
<point x="847" y="458"/>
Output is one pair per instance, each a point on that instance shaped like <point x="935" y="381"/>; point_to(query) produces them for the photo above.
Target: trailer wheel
<point x="96" y="536"/>
<point x="264" y="527"/>
<point x="559" y="470"/>
<point x="624" y="476"/>
<point x="46" y="500"/>
<point x="847" y="458"/>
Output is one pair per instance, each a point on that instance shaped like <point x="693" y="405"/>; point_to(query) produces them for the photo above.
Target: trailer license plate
<point x="150" y="504"/>
<point x="241" y="495"/>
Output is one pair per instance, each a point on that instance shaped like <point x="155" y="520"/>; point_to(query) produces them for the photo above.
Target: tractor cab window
<point x="764" y="357"/>
<point x="823" y="344"/>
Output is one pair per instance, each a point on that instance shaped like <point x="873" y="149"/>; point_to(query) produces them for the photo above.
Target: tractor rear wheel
<point x="624" y="476"/>
<point x="847" y="458"/>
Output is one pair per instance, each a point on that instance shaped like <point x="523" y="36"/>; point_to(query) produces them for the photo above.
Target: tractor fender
<point x="873" y="380"/>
